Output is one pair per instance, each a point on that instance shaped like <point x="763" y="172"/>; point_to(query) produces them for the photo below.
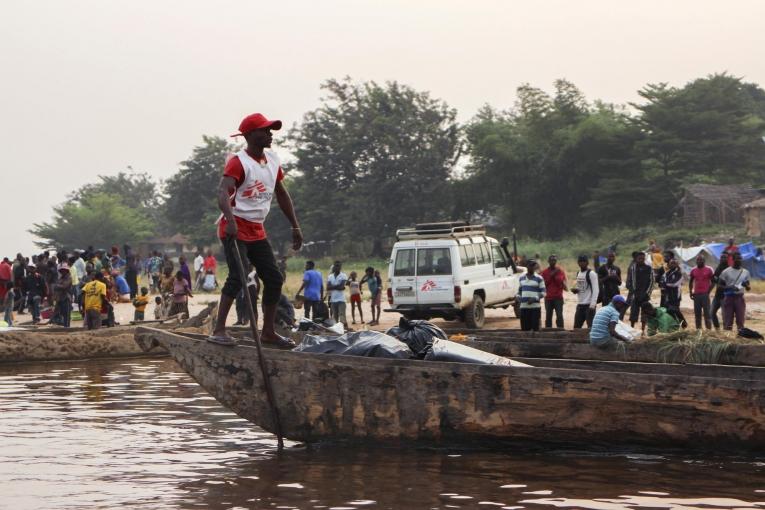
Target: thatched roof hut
<point x="704" y="204"/>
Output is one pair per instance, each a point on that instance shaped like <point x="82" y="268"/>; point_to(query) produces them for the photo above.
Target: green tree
<point x="97" y="219"/>
<point x="709" y="130"/>
<point x="191" y="206"/>
<point x="536" y="165"/>
<point x="373" y="157"/>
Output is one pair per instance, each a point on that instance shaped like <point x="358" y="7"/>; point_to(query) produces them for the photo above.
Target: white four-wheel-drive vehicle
<point x="450" y="270"/>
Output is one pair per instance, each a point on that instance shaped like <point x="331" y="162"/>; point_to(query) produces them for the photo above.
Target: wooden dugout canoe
<point x="59" y="343"/>
<point x="323" y="396"/>
<point x="642" y="352"/>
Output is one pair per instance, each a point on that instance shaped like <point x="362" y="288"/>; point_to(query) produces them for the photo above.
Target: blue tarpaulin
<point x="751" y="255"/>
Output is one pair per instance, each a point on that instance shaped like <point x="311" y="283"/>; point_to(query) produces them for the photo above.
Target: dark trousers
<point x="260" y="255"/>
<point x="34" y="306"/>
<point x="310" y="308"/>
<point x="716" y="305"/>
<point x="733" y="306"/>
<point x="554" y="305"/>
<point x="92" y="319"/>
<point x="530" y="319"/>
<point x="63" y="312"/>
<point x="583" y="314"/>
<point x="132" y="280"/>
<point x="701" y="308"/>
<point x="637" y="302"/>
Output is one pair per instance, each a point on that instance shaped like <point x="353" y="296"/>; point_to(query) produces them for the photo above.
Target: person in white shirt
<point x="336" y="283"/>
<point x="587" y="291"/>
<point x="199" y="274"/>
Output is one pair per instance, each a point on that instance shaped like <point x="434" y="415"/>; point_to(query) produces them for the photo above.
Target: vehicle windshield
<point x="434" y="261"/>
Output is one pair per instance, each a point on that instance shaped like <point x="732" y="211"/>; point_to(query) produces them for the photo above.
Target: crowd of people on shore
<point x="51" y="285"/>
<point x="711" y="289"/>
<point x="314" y="292"/>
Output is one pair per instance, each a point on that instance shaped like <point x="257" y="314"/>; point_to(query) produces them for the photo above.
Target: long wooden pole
<point x="256" y="337"/>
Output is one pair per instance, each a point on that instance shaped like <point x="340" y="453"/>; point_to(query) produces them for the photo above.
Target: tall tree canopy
<point x="709" y="130"/>
<point x="96" y="219"/>
<point x="371" y="158"/>
<point x="191" y="204"/>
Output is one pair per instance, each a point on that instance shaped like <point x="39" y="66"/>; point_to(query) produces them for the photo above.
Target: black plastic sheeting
<point x="416" y="334"/>
<point x="361" y="343"/>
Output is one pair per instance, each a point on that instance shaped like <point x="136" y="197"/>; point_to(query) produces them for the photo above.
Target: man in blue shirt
<point x="123" y="289"/>
<point x="603" y="331"/>
<point x="313" y="284"/>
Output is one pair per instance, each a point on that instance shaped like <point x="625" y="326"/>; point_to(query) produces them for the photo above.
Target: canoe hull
<point x="753" y="355"/>
<point x="322" y="396"/>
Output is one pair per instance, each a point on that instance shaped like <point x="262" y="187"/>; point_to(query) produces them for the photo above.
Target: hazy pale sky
<point x="90" y="87"/>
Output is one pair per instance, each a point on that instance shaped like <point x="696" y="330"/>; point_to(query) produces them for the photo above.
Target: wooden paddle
<point x="256" y="337"/>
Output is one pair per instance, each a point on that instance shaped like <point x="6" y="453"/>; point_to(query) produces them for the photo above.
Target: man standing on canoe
<point x="250" y="180"/>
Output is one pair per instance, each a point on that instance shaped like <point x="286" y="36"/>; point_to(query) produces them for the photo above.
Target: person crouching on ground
<point x="532" y="291"/>
<point x="587" y="291"/>
<point x="140" y="303"/>
<point x="181" y="295"/>
<point x="555" y="284"/>
<point x="658" y="320"/>
<point x="250" y="180"/>
<point x="355" y="288"/>
<point x="603" y="332"/>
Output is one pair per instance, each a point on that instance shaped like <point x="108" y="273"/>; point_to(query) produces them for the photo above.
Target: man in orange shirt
<point x="250" y="181"/>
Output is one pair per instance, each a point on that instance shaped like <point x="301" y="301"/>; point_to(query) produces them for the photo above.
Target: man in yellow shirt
<point x="94" y="297"/>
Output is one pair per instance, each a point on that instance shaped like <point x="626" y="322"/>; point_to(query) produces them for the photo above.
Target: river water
<point x="140" y="433"/>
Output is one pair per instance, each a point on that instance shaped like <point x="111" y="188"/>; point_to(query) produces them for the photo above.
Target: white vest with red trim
<point x="252" y="199"/>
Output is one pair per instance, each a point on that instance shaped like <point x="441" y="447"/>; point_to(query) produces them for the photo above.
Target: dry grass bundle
<point x="692" y="346"/>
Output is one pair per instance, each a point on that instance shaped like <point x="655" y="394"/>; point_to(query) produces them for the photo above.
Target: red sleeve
<point x="235" y="170"/>
<point x="279" y="174"/>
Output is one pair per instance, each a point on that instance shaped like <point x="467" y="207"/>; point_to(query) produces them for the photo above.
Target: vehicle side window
<point x="467" y="258"/>
<point x="500" y="262"/>
<point x="434" y="261"/>
<point x="481" y="253"/>
<point x="404" y="265"/>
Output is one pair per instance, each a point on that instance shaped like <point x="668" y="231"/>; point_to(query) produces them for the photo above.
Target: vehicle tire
<point x="409" y="316"/>
<point x="517" y="309"/>
<point x="474" y="313"/>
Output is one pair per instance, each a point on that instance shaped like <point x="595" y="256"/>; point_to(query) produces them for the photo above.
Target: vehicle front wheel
<point x="474" y="316"/>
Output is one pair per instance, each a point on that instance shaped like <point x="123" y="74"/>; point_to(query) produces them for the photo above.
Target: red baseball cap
<point x="257" y="121"/>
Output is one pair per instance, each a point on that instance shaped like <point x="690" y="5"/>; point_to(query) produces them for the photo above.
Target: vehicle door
<point x="468" y="273"/>
<point x="403" y="279"/>
<point x="507" y="281"/>
<point x="484" y="275"/>
<point x="435" y="284"/>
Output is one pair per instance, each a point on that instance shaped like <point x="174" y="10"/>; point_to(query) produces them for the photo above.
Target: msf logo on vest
<point x="257" y="192"/>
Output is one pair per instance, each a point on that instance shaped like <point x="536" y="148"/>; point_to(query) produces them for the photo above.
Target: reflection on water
<point x="140" y="433"/>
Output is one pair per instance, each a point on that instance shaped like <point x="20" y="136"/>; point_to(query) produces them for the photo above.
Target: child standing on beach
<point x="140" y="303"/>
<point x="355" y="287"/>
<point x="8" y="303"/>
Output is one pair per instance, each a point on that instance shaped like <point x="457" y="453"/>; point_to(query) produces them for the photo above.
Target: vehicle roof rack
<point x="442" y="230"/>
